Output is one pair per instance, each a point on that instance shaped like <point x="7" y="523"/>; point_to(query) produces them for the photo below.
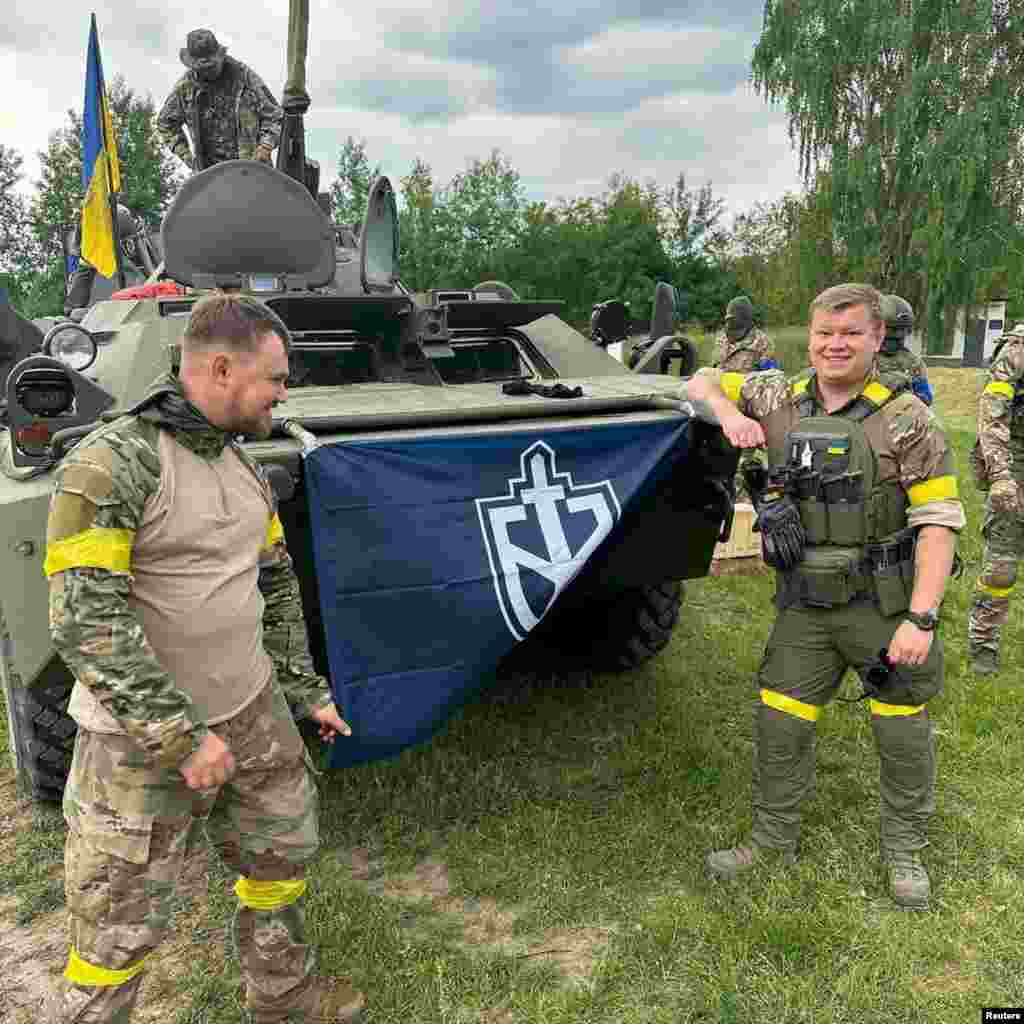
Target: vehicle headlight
<point x="71" y="344"/>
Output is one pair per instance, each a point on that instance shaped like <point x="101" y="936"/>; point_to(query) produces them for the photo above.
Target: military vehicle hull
<point x="373" y="364"/>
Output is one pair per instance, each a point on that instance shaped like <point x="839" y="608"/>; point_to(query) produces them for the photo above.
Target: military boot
<point x="727" y="864"/>
<point x="324" y="1001"/>
<point x="984" y="661"/>
<point x="909" y="885"/>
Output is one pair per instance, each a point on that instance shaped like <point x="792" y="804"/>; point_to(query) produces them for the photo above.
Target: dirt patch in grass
<point x="484" y="922"/>
<point x="952" y="979"/>
<point x="33" y="956"/>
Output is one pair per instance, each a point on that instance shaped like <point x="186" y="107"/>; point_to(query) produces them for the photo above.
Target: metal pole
<point x="115" y="233"/>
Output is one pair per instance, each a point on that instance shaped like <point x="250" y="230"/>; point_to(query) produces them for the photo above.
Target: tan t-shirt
<point x="195" y="569"/>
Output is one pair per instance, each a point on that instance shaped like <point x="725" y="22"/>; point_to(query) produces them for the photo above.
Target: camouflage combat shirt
<point x="912" y="449"/>
<point x="1001" y="412"/>
<point x="101" y="492"/>
<point x="743" y="355"/>
<point x="236" y="113"/>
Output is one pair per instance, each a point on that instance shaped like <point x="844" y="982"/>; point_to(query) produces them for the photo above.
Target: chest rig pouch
<point x="857" y="541"/>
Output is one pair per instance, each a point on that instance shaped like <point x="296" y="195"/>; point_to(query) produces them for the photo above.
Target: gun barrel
<point x="298" y="45"/>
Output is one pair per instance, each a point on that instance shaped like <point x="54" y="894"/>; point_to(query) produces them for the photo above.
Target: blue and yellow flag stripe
<point x="101" y="172"/>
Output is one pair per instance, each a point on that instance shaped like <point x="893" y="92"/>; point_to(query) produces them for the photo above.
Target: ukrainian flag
<point x="101" y="173"/>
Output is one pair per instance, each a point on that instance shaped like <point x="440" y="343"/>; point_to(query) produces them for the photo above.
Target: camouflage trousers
<point x="129" y="825"/>
<point x="807" y="655"/>
<point x="990" y="606"/>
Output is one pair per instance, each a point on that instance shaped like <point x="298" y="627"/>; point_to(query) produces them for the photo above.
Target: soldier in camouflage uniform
<point x="894" y="356"/>
<point x="741" y="347"/>
<point x="229" y="112"/>
<point x="174" y="602"/>
<point x="861" y="527"/>
<point x="1000" y="451"/>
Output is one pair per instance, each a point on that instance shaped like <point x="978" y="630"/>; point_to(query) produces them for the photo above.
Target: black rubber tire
<point x="604" y="636"/>
<point x="44" y="734"/>
<point x="636" y="626"/>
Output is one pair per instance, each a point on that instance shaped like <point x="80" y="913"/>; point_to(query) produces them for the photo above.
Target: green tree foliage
<point x="916" y="110"/>
<point x="17" y="248"/>
<point x="355" y="176"/>
<point x="417" y="227"/>
<point x="785" y="252"/>
<point x="478" y="219"/>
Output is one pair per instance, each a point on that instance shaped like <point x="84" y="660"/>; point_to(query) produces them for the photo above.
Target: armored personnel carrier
<point x="464" y="479"/>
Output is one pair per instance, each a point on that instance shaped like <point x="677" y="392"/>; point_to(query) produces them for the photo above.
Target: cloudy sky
<point x="570" y="94"/>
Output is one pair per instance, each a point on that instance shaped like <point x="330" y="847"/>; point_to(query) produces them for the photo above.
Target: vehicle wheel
<point x="635" y="626"/>
<point x="612" y="636"/>
<point x="43" y="734"/>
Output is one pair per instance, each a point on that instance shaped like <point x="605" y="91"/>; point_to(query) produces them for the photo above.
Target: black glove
<point x="782" y="534"/>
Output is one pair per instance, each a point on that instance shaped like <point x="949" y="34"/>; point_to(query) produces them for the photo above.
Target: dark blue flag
<point x="435" y="557"/>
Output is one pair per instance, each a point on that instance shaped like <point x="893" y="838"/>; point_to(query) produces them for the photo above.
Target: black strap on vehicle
<point x="525" y="387"/>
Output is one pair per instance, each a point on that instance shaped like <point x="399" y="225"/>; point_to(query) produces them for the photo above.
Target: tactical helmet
<point x="739" y="318"/>
<point x="898" y="315"/>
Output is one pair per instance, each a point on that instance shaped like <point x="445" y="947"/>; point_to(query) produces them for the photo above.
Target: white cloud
<point x="639" y="50"/>
<point x="571" y="93"/>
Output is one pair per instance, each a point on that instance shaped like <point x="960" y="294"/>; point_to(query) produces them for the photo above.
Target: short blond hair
<point x="235" y="321"/>
<point x="842" y="296"/>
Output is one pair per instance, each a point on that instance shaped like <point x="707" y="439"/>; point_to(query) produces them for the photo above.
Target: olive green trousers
<point x="807" y="655"/>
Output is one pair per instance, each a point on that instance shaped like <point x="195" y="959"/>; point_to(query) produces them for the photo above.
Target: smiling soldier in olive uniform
<point x="174" y="603"/>
<point x="859" y="515"/>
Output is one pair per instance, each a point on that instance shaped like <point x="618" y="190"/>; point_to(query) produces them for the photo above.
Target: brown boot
<point x="324" y="1001"/>
<point x="908" y="880"/>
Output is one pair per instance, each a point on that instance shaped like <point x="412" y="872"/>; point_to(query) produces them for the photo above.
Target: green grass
<point x="568" y="823"/>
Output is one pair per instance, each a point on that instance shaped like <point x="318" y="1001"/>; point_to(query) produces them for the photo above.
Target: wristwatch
<point x="926" y="620"/>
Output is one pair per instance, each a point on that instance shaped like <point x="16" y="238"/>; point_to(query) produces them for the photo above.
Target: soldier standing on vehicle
<point x="999" y="458"/>
<point x="859" y="514"/>
<point x="229" y="112"/>
<point x="174" y="602"/>
<point x="894" y="355"/>
<point x="740" y="346"/>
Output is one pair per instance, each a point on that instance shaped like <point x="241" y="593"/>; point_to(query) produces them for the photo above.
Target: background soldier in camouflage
<point x="867" y="574"/>
<point x="229" y="112"/>
<point x="741" y="347"/>
<point x="174" y="602"/>
<point x="1001" y="453"/>
<point x="894" y="354"/>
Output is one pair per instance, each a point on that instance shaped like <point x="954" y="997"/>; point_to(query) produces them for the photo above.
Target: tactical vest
<point x="858" y="543"/>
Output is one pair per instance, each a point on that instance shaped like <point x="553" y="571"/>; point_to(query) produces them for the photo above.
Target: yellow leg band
<point x="893" y="710"/>
<point x="797" y="708"/>
<point x="81" y="972"/>
<point x="268" y="895"/>
<point x="994" y="591"/>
